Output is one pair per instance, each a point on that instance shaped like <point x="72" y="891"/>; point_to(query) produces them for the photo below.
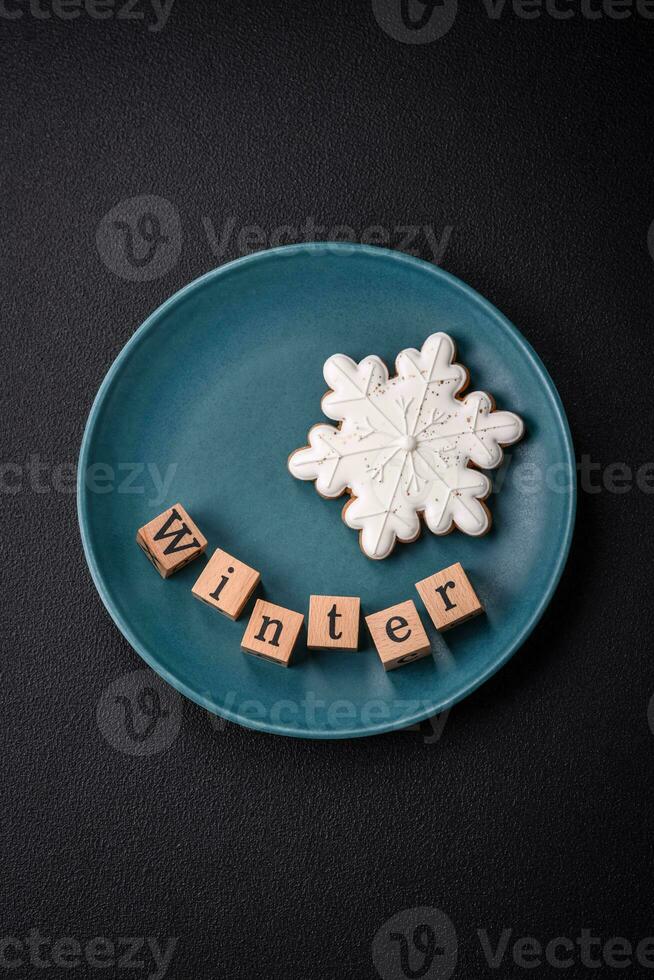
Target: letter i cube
<point x="226" y="584"/>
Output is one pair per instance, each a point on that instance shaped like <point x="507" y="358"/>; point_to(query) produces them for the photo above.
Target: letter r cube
<point x="449" y="597"/>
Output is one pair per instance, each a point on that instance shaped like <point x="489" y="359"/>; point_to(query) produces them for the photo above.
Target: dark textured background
<point x="267" y="857"/>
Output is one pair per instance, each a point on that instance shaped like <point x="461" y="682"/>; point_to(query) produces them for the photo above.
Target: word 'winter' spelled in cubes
<point x="449" y="597"/>
<point x="399" y="635"/>
<point x="333" y="622"/>
<point x="171" y="540"/>
<point x="272" y="632"/>
<point x="226" y="584"/>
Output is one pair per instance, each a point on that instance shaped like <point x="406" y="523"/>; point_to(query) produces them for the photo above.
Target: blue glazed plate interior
<point x="212" y="394"/>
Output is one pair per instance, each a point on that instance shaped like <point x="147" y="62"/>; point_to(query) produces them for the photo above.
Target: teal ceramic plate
<point x="204" y="405"/>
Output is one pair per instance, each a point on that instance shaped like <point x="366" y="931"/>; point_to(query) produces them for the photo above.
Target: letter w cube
<point x="171" y="540"/>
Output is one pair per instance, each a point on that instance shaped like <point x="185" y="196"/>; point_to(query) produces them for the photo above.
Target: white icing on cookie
<point x="404" y="444"/>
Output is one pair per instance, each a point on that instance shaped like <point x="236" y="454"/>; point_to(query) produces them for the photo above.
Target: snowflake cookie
<point x="403" y="446"/>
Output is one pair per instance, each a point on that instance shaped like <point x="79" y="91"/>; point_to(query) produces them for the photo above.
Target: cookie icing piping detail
<point x="404" y="444"/>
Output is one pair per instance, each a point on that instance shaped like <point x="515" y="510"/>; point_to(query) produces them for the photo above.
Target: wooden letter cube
<point x="226" y="584"/>
<point x="399" y="635"/>
<point x="449" y="597"/>
<point x="333" y="622"/>
<point x="272" y="632"/>
<point x="171" y="540"/>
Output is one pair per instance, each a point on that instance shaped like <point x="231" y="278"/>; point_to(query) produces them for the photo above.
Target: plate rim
<point x="83" y="509"/>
